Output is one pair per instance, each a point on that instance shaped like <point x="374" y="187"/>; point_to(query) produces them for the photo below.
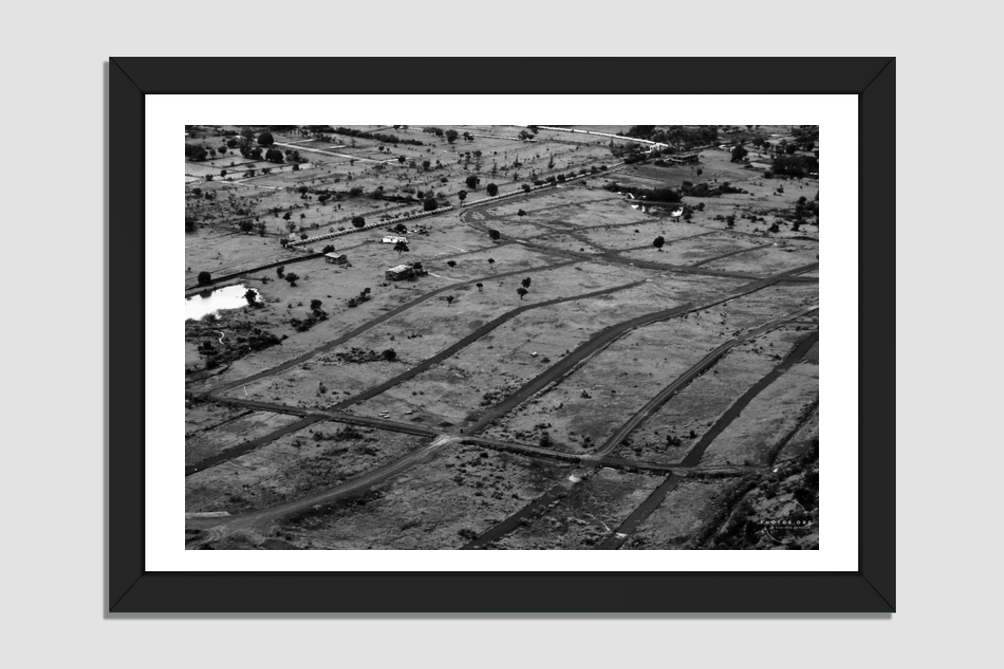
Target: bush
<point x="205" y="278"/>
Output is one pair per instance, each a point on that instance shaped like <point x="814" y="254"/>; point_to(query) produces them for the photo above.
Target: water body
<point x="209" y="302"/>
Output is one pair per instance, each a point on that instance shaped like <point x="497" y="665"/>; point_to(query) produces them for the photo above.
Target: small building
<point x="757" y="165"/>
<point x="336" y="258"/>
<point x="394" y="239"/>
<point x="400" y="272"/>
<point x="686" y="159"/>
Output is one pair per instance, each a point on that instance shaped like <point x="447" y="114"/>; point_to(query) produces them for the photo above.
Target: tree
<point x="526" y="282"/>
<point x="265" y="139"/>
<point x="315" y="306"/>
<point x="430" y="204"/>
<point x="494" y="235"/>
<point x="426" y="164"/>
<point x="451" y="135"/>
<point x="451" y="263"/>
<point x="658" y="243"/>
<point x="472" y="182"/>
<point x="491" y="261"/>
<point x="449" y="298"/>
<point x="738" y="153"/>
<point x="480" y="286"/>
<point x="522" y="292"/>
<point x="280" y="271"/>
<point x="390" y="355"/>
<point x="730" y="221"/>
<point x="401" y="247"/>
<point x="292" y="278"/>
<point x="526" y="188"/>
<point x="492" y="190"/>
<point x="274" y="155"/>
<point x="205" y="278"/>
<point x="400" y="228"/>
<point x="790" y="149"/>
<point x="252" y="297"/>
<point x="462" y="195"/>
<point x="401" y="159"/>
<point x="521" y="213"/>
<point x="358" y="221"/>
<point x="246" y="226"/>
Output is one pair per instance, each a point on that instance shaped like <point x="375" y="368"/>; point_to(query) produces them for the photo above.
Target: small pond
<point x="212" y="301"/>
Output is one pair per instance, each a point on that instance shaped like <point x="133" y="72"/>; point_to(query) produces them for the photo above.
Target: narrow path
<point x="732" y="253"/>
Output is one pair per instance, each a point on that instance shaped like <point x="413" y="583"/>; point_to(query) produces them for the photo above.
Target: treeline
<point x="794" y="165"/>
<point x="704" y="190"/>
<point x="376" y="136"/>
<point x="674" y="134"/>
<point x="649" y="194"/>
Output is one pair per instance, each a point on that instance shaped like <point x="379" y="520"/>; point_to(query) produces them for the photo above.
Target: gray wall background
<point x="947" y="358"/>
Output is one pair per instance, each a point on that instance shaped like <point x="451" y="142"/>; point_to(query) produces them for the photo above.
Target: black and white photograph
<point x="502" y="337"/>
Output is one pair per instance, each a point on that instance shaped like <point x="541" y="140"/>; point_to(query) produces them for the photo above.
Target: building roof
<point x="400" y="268"/>
<point x="333" y="255"/>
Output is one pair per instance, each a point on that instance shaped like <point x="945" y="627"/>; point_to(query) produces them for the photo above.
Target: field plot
<point x="579" y="216"/>
<point x="587" y="513"/>
<point x="683" y="512"/>
<point x="699" y="249"/>
<point x="202" y="416"/>
<point x="439" y="504"/>
<point x="557" y="202"/>
<point x="772" y="415"/>
<point x="624" y="237"/>
<point x="228" y="253"/>
<point x="769" y="260"/>
<point x="669" y="434"/>
<point x="239" y="430"/>
<point x="292" y="466"/>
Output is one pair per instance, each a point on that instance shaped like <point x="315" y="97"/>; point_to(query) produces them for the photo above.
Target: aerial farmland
<point x="502" y="337"/>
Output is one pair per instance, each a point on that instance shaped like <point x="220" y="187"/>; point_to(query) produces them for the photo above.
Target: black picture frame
<point x="130" y="588"/>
